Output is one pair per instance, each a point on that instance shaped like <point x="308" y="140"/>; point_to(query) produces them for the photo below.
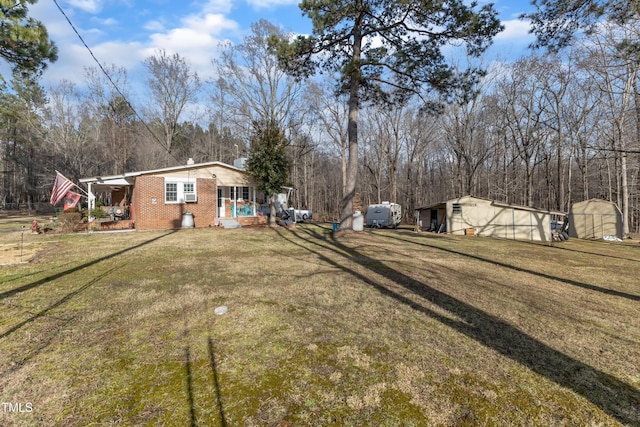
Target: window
<point x="171" y="192"/>
<point x="457" y="208"/>
<point x="175" y="189"/>
<point x="242" y="193"/>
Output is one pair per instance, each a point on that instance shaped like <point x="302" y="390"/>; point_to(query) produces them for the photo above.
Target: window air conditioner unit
<point x="190" y="197"/>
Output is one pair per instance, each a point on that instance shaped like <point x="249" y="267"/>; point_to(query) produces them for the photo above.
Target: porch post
<point x="255" y="212"/>
<point x="235" y="201"/>
<point x="91" y="202"/>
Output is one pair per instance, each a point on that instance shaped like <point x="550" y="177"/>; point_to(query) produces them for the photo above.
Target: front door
<point x="220" y="202"/>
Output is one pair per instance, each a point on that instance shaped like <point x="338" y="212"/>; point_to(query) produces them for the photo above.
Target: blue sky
<point x="125" y="32"/>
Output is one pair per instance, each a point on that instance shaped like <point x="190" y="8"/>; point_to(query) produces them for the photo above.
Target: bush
<point x="98" y="213"/>
<point x="69" y="220"/>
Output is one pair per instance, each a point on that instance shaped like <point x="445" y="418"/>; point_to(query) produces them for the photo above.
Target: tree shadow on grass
<point x="47" y="340"/>
<point x="561" y="246"/>
<point x="21" y="275"/>
<point x="47" y="279"/>
<point x="216" y="385"/>
<point x="615" y="397"/>
<point x="582" y="285"/>
<point x="216" y="381"/>
<point x="189" y="380"/>
<point x="59" y="302"/>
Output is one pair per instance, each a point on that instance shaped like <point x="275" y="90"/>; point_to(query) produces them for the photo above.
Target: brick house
<point x="204" y="193"/>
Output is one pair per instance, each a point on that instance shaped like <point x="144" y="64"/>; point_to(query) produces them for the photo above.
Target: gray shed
<point x="594" y="219"/>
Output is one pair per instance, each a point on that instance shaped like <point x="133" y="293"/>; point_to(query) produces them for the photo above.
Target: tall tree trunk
<point x="346" y="209"/>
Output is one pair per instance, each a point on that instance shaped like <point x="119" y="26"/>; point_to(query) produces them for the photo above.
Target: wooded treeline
<point x="544" y="130"/>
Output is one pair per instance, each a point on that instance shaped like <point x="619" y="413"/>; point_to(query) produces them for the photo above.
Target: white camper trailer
<point x="384" y="214"/>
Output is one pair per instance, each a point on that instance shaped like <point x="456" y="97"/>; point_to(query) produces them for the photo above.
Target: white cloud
<point x="512" y="43"/>
<point x="265" y="4"/>
<point x="195" y="37"/>
<point x="89" y="6"/>
<point x="109" y="22"/>
<point x="211" y="23"/>
<point x="217" y="6"/>
<point x="196" y="40"/>
<point x="515" y="30"/>
<point x="155" y="26"/>
<point x="127" y="55"/>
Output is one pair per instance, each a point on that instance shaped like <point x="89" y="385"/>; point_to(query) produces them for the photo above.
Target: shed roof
<point x="493" y="202"/>
<point x="594" y="206"/>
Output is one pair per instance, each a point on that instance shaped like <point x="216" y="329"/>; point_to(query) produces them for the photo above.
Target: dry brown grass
<point x="375" y="328"/>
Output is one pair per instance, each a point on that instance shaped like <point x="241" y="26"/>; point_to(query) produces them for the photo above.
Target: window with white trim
<point x="174" y="189"/>
<point x="239" y="193"/>
<point x="170" y="192"/>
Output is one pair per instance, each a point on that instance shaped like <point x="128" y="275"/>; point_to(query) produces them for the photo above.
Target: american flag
<point x="60" y="188"/>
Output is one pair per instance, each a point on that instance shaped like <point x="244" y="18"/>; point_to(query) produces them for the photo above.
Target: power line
<point x="113" y="83"/>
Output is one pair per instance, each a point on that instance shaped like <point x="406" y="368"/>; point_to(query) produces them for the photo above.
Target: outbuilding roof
<point x="493" y="202"/>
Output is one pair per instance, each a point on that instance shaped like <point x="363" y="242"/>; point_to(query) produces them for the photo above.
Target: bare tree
<point x="256" y="88"/>
<point x="173" y="85"/>
<point x="521" y="103"/>
<point x="464" y="124"/>
<point x="330" y="110"/>
<point x="373" y="182"/>
<point x="614" y="65"/>
<point x="111" y="115"/>
<point x="73" y="148"/>
<point x="421" y="130"/>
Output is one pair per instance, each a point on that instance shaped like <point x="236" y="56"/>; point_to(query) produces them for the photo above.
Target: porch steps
<point x="230" y="223"/>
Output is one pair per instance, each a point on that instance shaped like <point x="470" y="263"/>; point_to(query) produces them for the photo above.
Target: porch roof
<point x="110" y="182"/>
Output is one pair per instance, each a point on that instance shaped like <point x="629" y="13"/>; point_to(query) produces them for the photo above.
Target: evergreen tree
<point x="24" y="41"/>
<point x="555" y="22"/>
<point x="21" y="137"/>
<point x="386" y="51"/>
<point x="268" y="162"/>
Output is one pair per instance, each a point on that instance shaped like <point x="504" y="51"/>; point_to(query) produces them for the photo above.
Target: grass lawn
<point x="382" y="328"/>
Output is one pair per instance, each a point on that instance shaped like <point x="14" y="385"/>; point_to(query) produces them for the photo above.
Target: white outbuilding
<point x="595" y="219"/>
<point x="489" y="218"/>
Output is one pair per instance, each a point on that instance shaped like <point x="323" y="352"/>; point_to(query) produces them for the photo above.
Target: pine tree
<point x="24" y="41"/>
<point x="386" y="51"/>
